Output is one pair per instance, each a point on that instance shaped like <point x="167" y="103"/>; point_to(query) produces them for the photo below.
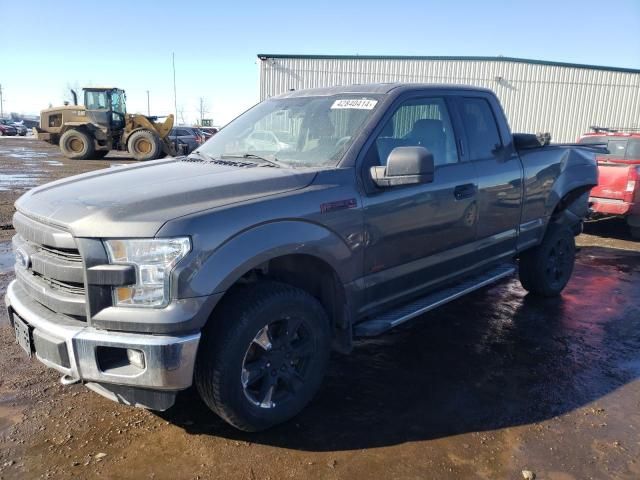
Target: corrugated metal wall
<point x="563" y="100"/>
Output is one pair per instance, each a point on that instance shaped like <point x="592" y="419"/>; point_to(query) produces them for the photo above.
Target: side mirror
<point x="405" y="166"/>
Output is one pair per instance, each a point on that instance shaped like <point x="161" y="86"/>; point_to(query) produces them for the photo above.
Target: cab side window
<point x="421" y="122"/>
<point x="481" y="128"/>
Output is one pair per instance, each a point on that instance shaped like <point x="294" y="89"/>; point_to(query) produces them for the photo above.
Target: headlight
<point x="153" y="258"/>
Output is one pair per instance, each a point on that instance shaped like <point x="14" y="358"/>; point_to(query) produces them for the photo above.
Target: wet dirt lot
<point x="485" y="387"/>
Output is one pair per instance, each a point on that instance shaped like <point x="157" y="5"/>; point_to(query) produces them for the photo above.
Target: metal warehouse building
<point x="538" y="96"/>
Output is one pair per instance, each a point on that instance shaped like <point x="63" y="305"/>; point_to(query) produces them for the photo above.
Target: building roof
<point x="264" y="56"/>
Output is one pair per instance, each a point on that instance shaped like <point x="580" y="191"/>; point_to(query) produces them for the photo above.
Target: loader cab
<point x="106" y="106"/>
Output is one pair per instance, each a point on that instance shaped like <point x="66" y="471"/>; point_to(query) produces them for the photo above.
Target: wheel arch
<point x="568" y="200"/>
<point x="302" y="254"/>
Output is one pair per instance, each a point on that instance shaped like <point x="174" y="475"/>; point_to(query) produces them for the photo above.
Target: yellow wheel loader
<point x="102" y="124"/>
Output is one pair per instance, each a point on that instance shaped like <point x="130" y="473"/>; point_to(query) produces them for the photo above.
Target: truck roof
<point x="380" y="88"/>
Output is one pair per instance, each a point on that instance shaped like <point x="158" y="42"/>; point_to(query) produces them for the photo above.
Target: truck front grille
<point x="54" y="275"/>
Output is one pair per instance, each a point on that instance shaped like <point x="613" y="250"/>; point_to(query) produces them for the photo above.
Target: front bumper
<point x="71" y="347"/>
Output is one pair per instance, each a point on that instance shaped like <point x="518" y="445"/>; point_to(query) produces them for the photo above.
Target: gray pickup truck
<point x="314" y="218"/>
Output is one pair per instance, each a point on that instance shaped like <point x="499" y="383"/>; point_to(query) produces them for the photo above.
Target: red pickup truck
<point x="618" y="190"/>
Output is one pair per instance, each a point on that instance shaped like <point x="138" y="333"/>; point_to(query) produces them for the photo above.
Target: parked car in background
<point x="618" y="189"/>
<point x="20" y="128"/>
<point x="209" y="131"/>
<point x="188" y="136"/>
<point x="8" y="130"/>
<point x="201" y="134"/>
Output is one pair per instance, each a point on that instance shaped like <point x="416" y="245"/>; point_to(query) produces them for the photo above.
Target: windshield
<point x="301" y="131"/>
<point x="117" y="101"/>
<point x="615" y="145"/>
<point x="95" y="100"/>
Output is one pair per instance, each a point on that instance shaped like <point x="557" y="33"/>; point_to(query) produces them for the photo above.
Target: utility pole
<point x="148" y="105"/>
<point x="175" y="98"/>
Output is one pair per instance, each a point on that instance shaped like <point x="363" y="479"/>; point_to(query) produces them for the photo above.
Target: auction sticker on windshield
<point x="357" y="103"/>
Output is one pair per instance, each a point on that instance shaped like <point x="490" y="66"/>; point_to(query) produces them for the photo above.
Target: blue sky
<point x="129" y="43"/>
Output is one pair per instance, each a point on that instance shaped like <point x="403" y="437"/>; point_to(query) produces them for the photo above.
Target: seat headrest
<point x="427" y="127"/>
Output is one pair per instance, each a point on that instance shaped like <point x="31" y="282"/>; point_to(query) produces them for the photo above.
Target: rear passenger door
<point x="489" y="147"/>
<point x="417" y="235"/>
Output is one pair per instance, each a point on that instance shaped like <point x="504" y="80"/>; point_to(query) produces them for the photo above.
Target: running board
<point x="393" y="318"/>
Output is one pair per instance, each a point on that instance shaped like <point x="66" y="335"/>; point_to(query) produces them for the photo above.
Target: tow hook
<point x="68" y="380"/>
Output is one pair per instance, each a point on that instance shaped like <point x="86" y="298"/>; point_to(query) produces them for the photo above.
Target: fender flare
<point x="215" y="271"/>
<point x="572" y="187"/>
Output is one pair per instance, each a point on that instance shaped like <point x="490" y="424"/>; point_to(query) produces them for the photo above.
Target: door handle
<point x="464" y="191"/>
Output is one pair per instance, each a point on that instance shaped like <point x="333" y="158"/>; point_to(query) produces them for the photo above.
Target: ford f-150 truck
<point x="240" y="266"/>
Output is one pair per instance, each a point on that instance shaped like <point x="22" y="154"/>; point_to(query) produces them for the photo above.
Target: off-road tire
<point x="77" y="145"/>
<point x="231" y="333"/>
<point x="546" y="269"/>
<point x="144" y="145"/>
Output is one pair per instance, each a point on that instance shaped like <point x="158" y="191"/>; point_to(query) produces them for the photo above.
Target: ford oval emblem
<point x="22" y="258"/>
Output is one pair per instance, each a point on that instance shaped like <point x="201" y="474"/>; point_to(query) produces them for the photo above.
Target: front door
<point x="418" y="235"/>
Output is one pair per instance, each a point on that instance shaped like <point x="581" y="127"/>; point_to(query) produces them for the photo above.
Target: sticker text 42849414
<point x="356" y="103"/>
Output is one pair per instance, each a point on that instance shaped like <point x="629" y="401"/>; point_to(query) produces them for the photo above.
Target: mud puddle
<point x="10" y="414"/>
<point x="12" y="181"/>
<point x="7" y="259"/>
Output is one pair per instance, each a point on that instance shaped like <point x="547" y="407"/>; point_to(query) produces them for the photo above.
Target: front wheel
<point x="634" y="227"/>
<point x="144" y="145"/>
<point x="263" y="355"/>
<point x="77" y="145"/>
<point x="546" y="269"/>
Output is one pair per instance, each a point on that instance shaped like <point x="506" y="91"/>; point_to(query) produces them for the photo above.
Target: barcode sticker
<point x="357" y="103"/>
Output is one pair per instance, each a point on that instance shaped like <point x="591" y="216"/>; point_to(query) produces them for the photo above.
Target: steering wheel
<point x="341" y="142"/>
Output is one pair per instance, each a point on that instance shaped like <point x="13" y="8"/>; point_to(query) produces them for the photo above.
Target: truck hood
<point x="135" y="201"/>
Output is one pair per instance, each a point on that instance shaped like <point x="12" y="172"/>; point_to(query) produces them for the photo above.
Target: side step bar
<point x="393" y="318"/>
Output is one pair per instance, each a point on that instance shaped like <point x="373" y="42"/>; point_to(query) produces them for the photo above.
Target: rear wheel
<point x="144" y="145"/>
<point x="263" y="355"/>
<point x="77" y="145"/>
<point x="546" y="269"/>
<point x="634" y="226"/>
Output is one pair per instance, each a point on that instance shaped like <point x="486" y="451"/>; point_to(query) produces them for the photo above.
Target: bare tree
<point x="181" y="115"/>
<point x="203" y="108"/>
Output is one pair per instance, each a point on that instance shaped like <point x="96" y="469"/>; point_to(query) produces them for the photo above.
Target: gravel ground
<point x="487" y="387"/>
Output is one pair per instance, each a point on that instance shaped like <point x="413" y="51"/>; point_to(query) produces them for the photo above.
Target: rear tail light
<point x="632" y="183"/>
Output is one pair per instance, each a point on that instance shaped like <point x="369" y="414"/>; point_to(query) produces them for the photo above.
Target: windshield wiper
<point x="204" y="156"/>
<point x="275" y="162"/>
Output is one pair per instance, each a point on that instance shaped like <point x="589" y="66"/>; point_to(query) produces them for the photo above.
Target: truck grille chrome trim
<point x="42" y="234"/>
<point x="52" y="272"/>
